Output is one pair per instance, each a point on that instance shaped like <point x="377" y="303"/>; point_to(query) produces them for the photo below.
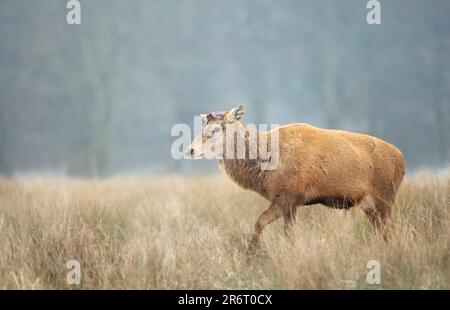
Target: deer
<point x="335" y="168"/>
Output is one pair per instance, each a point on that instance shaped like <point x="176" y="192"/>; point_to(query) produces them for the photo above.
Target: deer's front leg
<point x="289" y="219"/>
<point x="290" y="204"/>
<point x="268" y="216"/>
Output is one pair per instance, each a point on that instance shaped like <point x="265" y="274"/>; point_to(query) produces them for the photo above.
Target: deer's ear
<point x="236" y="114"/>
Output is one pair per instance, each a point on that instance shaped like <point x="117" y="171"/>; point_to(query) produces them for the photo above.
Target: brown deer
<point x="335" y="168"/>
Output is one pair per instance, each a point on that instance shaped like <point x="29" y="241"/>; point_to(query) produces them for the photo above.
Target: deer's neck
<point x="247" y="172"/>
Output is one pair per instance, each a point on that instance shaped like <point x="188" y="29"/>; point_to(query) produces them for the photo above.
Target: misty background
<point x="100" y="98"/>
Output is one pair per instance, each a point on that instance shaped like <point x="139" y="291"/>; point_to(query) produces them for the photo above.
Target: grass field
<point x="193" y="233"/>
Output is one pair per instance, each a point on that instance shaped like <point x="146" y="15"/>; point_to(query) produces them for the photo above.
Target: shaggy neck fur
<point x="247" y="172"/>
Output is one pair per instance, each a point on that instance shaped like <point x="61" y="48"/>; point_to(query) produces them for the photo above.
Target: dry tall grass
<point x="192" y="233"/>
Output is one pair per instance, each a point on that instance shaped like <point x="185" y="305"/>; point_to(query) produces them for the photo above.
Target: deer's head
<point x="210" y="143"/>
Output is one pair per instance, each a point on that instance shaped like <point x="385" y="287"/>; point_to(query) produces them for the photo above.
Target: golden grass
<point x="192" y="233"/>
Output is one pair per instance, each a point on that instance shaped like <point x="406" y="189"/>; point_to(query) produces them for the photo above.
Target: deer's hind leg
<point x="379" y="212"/>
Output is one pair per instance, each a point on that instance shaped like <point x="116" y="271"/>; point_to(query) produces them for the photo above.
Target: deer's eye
<point x="212" y="132"/>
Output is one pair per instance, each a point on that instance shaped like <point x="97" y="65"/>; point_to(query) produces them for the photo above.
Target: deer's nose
<point x="189" y="152"/>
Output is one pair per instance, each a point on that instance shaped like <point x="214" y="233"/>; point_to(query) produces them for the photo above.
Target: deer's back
<point x="333" y="163"/>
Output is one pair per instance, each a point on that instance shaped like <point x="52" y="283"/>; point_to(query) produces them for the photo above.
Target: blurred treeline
<point x="101" y="97"/>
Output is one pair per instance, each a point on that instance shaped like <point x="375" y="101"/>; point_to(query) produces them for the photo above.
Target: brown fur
<point x="335" y="168"/>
